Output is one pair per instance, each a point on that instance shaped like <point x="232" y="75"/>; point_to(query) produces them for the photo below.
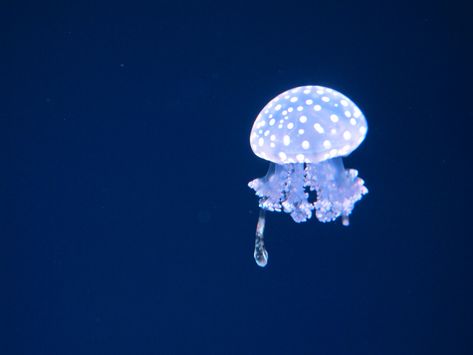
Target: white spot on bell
<point x="303" y="119"/>
<point x="300" y="157"/>
<point x="260" y="142"/>
<point x="277" y="107"/>
<point x="317" y="107"/>
<point x="319" y="128"/>
<point x="333" y="152"/>
<point x="290" y="125"/>
<point x="293" y="99"/>
<point x="327" y="144"/>
<point x="286" y="140"/>
<point x="305" y="144"/>
<point x="344" y="150"/>
<point x="282" y="156"/>
<point x="347" y="135"/>
<point x="325" y="99"/>
<point x="334" y="118"/>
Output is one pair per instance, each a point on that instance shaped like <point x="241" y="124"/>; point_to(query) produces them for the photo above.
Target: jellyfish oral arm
<point x="285" y="189"/>
<point x="260" y="254"/>
<point x="338" y="189"/>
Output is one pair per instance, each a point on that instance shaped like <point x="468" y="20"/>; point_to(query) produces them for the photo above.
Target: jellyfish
<point x="304" y="133"/>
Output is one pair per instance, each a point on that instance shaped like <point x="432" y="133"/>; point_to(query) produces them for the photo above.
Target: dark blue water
<point x="129" y="227"/>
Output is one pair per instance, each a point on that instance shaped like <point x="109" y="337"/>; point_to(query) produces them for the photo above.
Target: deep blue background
<point x="129" y="226"/>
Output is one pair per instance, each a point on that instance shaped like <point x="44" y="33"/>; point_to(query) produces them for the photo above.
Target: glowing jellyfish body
<point x="304" y="133"/>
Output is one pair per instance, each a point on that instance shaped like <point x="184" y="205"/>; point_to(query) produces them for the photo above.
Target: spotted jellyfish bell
<point x="304" y="133"/>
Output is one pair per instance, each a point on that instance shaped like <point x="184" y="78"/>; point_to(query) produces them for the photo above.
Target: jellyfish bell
<point x="307" y="124"/>
<point x="304" y="133"/>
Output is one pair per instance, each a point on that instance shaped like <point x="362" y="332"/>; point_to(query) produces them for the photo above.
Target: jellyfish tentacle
<point x="260" y="254"/>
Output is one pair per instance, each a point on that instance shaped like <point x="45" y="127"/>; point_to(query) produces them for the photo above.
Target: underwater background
<point x="128" y="225"/>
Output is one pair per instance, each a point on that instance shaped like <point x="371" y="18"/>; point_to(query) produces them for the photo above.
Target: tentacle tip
<point x="261" y="258"/>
